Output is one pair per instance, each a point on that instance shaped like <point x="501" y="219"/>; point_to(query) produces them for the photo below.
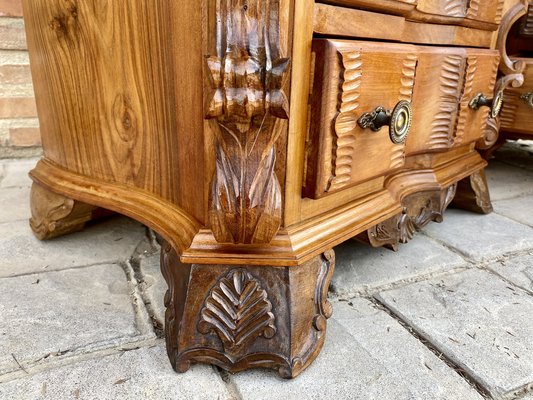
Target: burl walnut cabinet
<point x="254" y="136"/>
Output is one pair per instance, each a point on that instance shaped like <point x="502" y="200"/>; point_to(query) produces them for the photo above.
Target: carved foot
<point x="473" y="194"/>
<point x="242" y="317"/>
<point x="419" y="209"/>
<point x="54" y="215"/>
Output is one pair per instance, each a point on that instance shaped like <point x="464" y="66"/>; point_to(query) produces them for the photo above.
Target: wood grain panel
<point x="115" y="100"/>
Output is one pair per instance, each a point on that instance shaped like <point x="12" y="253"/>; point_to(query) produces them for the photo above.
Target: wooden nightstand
<point x="254" y="136"/>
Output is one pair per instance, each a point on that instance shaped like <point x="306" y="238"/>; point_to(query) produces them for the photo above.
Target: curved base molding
<point x="246" y="317"/>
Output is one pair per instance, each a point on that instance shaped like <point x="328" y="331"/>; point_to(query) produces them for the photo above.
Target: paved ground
<point x="449" y="316"/>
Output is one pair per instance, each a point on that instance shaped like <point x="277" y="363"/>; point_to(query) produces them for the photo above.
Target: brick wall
<point x="19" y="127"/>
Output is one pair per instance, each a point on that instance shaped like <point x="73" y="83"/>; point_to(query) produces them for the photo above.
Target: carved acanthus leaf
<point x="246" y="98"/>
<point x="238" y="310"/>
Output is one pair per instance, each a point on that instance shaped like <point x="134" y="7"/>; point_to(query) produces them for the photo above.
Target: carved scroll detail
<point x="450" y="89"/>
<point x="238" y="310"/>
<point x="346" y="121"/>
<point x="247" y="99"/>
<point x="508" y="66"/>
<point x="323" y="306"/>
<point x="419" y="209"/>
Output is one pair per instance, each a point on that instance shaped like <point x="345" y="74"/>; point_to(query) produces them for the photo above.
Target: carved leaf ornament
<point x="246" y="99"/>
<point x="238" y="310"/>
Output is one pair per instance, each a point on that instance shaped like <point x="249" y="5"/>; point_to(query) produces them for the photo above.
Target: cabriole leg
<point x="242" y="317"/>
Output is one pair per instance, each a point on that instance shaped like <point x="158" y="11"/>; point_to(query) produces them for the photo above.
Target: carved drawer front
<point x="485" y="11"/>
<point x="446" y="82"/>
<point x="353" y="78"/>
<point x="517" y="109"/>
<point x="479" y="10"/>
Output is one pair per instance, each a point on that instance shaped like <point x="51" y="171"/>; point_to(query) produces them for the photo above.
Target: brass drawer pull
<point x="399" y="120"/>
<point x="495" y="104"/>
<point x="528" y="98"/>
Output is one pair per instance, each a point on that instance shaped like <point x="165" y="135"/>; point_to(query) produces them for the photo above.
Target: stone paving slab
<point x="54" y="312"/>
<point x="518" y="153"/>
<point x="519" y="209"/>
<point x="14" y="173"/>
<point x="479" y="321"/>
<point x="361" y="268"/>
<point x="518" y="270"/>
<point x="506" y="181"/>
<point x="143" y="374"/>
<point x="109" y="241"/>
<point x="15" y="204"/>
<point x="367" y="355"/>
<point x="153" y="286"/>
<point x="481" y="237"/>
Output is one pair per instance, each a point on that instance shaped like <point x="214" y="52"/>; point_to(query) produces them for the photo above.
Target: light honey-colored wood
<point x="342" y="21"/>
<point x="240" y="131"/>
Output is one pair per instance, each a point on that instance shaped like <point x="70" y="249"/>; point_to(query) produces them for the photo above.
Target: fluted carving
<point x="466" y="96"/>
<point x="450" y="84"/>
<point x="346" y="121"/>
<point x="247" y="78"/>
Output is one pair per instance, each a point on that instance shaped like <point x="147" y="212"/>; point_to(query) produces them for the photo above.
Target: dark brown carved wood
<point x="247" y="99"/>
<point x="473" y="194"/>
<point x="419" y="209"/>
<point x="241" y="317"/>
<point x="54" y="215"/>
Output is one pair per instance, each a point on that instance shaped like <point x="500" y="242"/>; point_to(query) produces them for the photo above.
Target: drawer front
<point x="484" y="11"/>
<point x="479" y="10"/>
<point x="517" y="110"/>
<point x="352" y="78"/>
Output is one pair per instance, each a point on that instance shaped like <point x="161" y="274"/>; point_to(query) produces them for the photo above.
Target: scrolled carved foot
<point x="419" y="209"/>
<point x="54" y="215"/>
<point x="242" y="317"/>
<point x="473" y="194"/>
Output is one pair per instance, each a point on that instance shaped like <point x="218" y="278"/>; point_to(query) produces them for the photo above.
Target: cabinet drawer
<point x="464" y="12"/>
<point x="517" y="110"/>
<point x="352" y="78"/>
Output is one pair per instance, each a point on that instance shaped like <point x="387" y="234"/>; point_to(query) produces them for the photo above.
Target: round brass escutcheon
<point x="401" y="120"/>
<point x="497" y="104"/>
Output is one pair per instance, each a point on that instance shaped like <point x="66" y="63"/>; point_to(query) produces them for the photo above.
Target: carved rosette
<point x="246" y="101"/>
<point x="238" y="310"/>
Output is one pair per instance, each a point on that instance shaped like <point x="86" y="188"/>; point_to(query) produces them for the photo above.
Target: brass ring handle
<point x="528" y="98"/>
<point x="399" y="120"/>
<point x="495" y="104"/>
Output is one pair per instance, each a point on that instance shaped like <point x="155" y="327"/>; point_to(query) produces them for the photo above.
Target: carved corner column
<point x="241" y="317"/>
<point x="246" y="104"/>
<point x="54" y="215"/>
